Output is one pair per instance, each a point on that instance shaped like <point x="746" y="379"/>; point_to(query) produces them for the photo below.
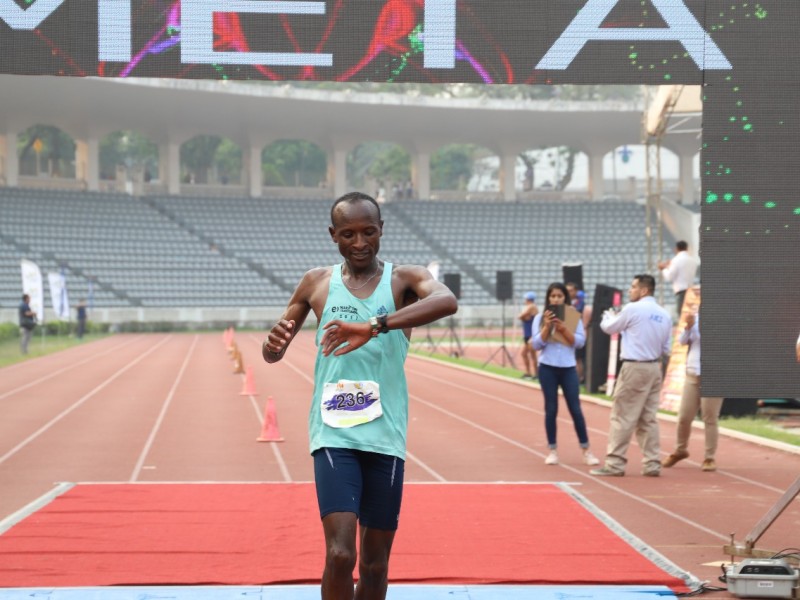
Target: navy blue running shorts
<point x="365" y="483"/>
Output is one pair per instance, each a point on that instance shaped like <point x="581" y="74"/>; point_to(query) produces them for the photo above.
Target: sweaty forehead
<point x="350" y="212"/>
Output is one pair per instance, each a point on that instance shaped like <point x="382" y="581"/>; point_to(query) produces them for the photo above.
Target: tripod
<point x="505" y="354"/>
<point x="454" y="339"/>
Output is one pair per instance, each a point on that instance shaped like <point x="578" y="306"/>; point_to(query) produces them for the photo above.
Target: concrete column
<point x="686" y="178"/>
<point x="255" y="177"/>
<point x="87" y="162"/>
<point x="339" y="171"/>
<point x="508" y="175"/>
<point x="11" y="161"/>
<point x="421" y="174"/>
<point x="169" y="166"/>
<point x="3" y="150"/>
<point x="596" y="183"/>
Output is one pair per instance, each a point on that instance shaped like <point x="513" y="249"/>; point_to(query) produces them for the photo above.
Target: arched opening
<point x="128" y="156"/>
<point x="458" y="169"/>
<point x="211" y="160"/>
<point x="46" y="151"/>
<point x="380" y="168"/>
<point x="294" y="163"/>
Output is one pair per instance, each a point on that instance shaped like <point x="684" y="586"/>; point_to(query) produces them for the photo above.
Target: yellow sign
<point x="38" y="145"/>
<point x="672" y="388"/>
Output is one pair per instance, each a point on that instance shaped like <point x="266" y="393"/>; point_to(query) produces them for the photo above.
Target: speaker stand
<point x="503" y="349"/>
<point x="454" y="339"/>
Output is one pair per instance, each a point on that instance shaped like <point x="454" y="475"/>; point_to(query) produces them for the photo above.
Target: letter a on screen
<point x="681" y="27"/>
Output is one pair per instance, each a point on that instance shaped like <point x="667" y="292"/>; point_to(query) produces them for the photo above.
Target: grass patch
<point x="761" y="427"/>
<point x="10" y="352"/>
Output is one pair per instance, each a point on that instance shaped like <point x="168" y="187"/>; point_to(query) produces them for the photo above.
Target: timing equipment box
<point x="762" y="578"/>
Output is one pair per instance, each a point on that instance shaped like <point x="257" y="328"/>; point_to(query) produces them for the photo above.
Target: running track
<point x="167" y="408"/>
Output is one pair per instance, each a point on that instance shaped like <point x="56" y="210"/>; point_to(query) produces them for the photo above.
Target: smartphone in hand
<point x="557" y="310"/>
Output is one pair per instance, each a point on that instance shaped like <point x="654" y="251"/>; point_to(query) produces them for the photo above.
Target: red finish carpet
<point x="252" y="534"/>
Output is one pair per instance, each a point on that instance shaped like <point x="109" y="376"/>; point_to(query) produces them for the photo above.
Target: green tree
<point x="392" y="164"/>
<point x="452" y="166"/>
<point x="228" y="160"/>
<point x="197" y="157"/>
<point x="56" y="155"/>
<point x="129" y="149"/>
<point x="294" y="163"/>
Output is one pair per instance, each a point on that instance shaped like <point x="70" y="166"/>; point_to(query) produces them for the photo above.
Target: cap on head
<point x="530" y="296"/>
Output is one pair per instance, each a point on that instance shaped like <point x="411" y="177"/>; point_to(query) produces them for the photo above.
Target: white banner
<point x="58" y="295"/>
<point x="433" y="268"/>
<point x="32" y="285"/>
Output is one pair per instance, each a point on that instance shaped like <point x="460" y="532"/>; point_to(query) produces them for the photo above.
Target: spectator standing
<point x="359" y="413"/>
<point x="691" y="401"/>
<point x="557" y="369"/>
<point x="529" y="311"/>
<point x="81" y="317"/>
<point x="27" y="322"/>
<point x="645" y="328"/>
<point x="680" y="271"/>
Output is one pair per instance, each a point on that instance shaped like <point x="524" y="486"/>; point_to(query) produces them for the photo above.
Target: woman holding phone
<point x="557" y="344"/>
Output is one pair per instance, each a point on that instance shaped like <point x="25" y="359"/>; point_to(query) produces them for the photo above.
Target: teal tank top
<point x="380" y="360"/>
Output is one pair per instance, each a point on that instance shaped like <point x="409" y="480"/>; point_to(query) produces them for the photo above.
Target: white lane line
<point x="597" y="480"/>
<point x="67" y="368"/>
<point x="34" y="506"/>
<point x="567" y="421"/>
<point x="287" y="477"/>
<point x="65" y="412"/>
<point x="160" y="419"/>
<point x="410" y="456"/>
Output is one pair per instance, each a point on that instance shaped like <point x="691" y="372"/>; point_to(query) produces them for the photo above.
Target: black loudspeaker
<point x="453" y="283"/>
<point x="597" y="341"/>
<point x="573" y="273"/>
<point x="603" y="300"/>
<point x="505" y="285"/>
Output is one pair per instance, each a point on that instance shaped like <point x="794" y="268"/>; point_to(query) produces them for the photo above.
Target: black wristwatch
<point x="384" y="328"/>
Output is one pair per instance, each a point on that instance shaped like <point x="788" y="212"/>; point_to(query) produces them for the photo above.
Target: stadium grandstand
<point x="163" y="251"/>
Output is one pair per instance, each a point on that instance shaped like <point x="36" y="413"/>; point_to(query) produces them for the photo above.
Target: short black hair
<point x="681" y="246"/>
<point x="646" y="281"/>
<point x="352" y="198"/>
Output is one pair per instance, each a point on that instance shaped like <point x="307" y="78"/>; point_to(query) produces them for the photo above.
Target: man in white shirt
<point x="692" y="401"/>
<point x="645" y="328"/>
<point x="680" y="271"/>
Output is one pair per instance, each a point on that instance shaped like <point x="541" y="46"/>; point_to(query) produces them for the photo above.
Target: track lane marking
<point x="573" y="470"/>
<point x="78" y="403"/>
<point x="137" y="469"/>
<point x="67" y="368"/>
<point x="603" y="432"/>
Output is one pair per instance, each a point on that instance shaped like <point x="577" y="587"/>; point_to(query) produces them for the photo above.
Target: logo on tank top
<point x="345" y="312"/>
<point x="382" y="310"/>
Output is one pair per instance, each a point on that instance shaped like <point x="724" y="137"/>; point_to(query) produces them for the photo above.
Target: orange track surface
<point x="168" y="408"/>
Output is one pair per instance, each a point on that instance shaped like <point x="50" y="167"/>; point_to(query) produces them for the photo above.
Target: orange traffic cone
<point x="238" y="367"/>
<point x="249" y="387"/>
<point x="269" y="431"/>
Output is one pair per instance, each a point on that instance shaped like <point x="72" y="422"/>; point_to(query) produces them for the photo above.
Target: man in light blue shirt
<point x="645" y="328"/>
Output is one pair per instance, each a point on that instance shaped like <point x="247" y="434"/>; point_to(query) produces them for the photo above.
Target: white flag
<point x="32" y="285"/>
<point x="58" y="295"/>
<point x="433" y="268"/>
